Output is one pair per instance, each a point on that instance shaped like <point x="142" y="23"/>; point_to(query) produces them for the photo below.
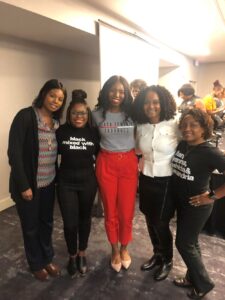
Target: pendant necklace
<point x="49" y="144"/>
<point x="48" y="127"/>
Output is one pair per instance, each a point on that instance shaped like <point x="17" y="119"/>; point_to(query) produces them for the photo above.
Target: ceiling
<point x="193" y="27"/>
<point x="24" y="24"/>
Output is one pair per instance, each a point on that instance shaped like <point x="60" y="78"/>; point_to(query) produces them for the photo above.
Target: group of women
<point x="174" y="173"/>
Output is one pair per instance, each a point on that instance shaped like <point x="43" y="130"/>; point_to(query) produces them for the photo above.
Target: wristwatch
<point x="213" y="196"/>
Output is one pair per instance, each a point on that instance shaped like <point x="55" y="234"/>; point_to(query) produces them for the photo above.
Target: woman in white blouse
<point x="154" y="110"/>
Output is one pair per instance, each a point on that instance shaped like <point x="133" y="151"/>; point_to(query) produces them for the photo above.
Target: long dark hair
<point x="78" y="97"/>
<point x="103" y="98"/>
<point x="48" y="86"/>
<point x="167" y="104"/>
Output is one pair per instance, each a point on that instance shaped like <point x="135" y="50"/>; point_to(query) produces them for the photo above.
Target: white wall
<point x="208" y="73"/>
<point x="180" y="71"/>
<point x="203" y="76"/>
<point x="133" y="58"/>
<point x="25" y="66"/>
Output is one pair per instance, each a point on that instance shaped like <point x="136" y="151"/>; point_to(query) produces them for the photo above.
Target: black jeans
<point x="76" y="208"/>
<point x="156" y="202"/>
<point x="161" y="238"/>
<point x="36" y="217"/>
<point x="190" y="221"/>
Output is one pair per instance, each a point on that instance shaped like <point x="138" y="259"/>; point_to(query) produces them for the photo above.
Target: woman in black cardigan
<point x="32" y="153"/>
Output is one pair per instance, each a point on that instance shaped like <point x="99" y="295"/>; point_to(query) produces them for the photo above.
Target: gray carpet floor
<point x="101" y="283"/>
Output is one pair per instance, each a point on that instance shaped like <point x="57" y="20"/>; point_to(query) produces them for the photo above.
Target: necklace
<point x="48" y="125"/>
<point x="46" y="120"/>
<point x="49" y="144"/>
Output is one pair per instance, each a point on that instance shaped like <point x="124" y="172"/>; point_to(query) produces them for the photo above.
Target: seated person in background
<point x="190" y="100"/>
<point x="213" y="104"/>
<point x="223" y="95"/>
<point x="136" y="86"/>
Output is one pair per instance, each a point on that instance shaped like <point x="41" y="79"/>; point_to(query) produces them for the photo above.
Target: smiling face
<point x="218" y="92"/>
<point x="116" y="96"/>
<point x="192" y="131"/>
<point x="79" y="115"/>
<point x="152" y="107"/>
<point x="53" y="100"/>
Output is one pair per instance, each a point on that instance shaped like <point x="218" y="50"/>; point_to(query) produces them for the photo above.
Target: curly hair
<point x="103" y="98"/>
<point x="167" y="104"/>
<point x="78" y="97"/>
<point x="204" y="120"/>
<point x="47" y="87"/>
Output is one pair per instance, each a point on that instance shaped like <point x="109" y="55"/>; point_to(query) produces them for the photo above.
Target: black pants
<point x="36" y="217"/>
<point x="190" y="221"/>
<point x="161" y="238"/>
<point x="156" y="202"/>
<point x="76" y="208"/>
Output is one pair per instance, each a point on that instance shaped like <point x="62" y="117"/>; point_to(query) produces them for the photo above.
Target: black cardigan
<point x="23" y="150"/>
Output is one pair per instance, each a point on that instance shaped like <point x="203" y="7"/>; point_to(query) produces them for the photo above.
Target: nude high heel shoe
<point x="126" y="264"/>
<point x="116" y="267"/>
<point x="116" y="264"/>
<point x="125" y="259"/>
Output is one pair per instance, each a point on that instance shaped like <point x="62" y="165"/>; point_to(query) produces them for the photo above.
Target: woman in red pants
<point x="116" y="166"/>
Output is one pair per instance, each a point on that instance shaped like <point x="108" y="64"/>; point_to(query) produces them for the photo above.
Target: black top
<point x="23" y="152"/>
<point x="78" y="148"/>
<point x="193" y="166"/>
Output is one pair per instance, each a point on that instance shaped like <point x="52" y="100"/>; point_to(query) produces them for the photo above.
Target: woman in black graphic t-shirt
<point x="194" y="161"/>
<point x="78" y="144"/>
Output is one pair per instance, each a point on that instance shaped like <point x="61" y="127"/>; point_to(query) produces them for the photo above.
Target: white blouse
<point x="157" y="144"/>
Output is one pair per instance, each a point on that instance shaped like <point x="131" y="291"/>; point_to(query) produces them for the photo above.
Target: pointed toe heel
<point x="126" y="264"/>
<point x="125" y="258"/>
<point x="116" y="267"/>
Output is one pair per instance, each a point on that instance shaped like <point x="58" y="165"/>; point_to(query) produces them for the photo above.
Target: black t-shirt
<point x="78" y="148"/>
<point x="193" y="166"/>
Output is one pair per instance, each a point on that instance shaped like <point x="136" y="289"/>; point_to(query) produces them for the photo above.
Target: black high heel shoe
<point x="82" y="264"/>
<point x="72" y="266"/>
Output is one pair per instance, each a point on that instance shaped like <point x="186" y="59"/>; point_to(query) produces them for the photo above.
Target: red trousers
<point x="117" y="175"/>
